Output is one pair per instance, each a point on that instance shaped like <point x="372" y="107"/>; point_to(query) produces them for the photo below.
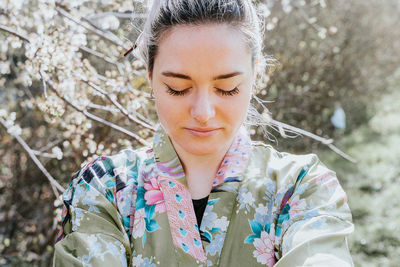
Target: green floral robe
<point x="266" y="208"/>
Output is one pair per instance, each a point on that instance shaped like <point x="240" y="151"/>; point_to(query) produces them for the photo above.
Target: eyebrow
<point x="186" y="77"/>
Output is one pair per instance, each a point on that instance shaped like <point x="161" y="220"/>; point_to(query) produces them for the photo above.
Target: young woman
<point x="204" y="194"/>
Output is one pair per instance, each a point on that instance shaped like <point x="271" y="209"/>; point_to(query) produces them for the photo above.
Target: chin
<point x="203" y="145"/>
<point x="200" y="149"/>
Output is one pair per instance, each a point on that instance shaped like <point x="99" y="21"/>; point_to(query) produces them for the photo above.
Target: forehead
<point x="214" y="47"/>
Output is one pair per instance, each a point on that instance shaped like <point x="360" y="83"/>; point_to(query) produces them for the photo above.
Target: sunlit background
<point x="67" y="95"/>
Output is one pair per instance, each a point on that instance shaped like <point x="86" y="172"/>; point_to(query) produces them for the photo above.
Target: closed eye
<point x="234" y="91"/>
<point x="174" y="92"/>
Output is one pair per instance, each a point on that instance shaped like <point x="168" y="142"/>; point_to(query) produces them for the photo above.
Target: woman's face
<point x="202" y="80"/>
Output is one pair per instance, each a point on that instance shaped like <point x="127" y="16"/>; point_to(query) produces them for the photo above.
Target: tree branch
<point x="118" y="15"/>
<point x="98" y="54"/>
<point x="105" y="35"/>
<point x="54" y="184"/>
<point x="113" y="100"/>
<point x="98" y="119"/>
<point x="282" y="126"/>
<point x="13" y="32"/>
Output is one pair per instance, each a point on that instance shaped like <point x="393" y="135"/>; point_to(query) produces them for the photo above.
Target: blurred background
<point x="67" y="95"/>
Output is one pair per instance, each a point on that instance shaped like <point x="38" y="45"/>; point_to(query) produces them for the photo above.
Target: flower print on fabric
<point x="148" y="211"/>
<point x="154" y="196"/>
<point x="235" y="160"/>
<point x="297" y="206"/>
<point x="330" y="182"/>
<point x="262" y="238"/>
<point x="215" y="247"/>
<point x="245" y="199"/>
<point x="140" y="261"/>
<point x="98" y="248"/>
<point x="265" y="249"/>
<point x="139" y="225"/>
<point x="209" y="217"/>
<point x="285" y="207"/>
<point x="262" y="214"/>
<point x="149" y="199"/>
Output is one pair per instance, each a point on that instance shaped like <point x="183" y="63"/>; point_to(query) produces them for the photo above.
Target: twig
<point x="324" y="141"/>
<point x="43" y="84"/>
<point x="50" y="144"/>
<point x="104" y="57"/>
<point x="98" y="54"/>
<point x="113" y="100"/>
<point x="54" y="184"/>
<point x="13" y="32"/>
<point x="98" y="119"/>
<point x="91" y="105"/>
<point x="95" y="106"/>
<point x="111" y="37"/>
<point x="94" y="24"/>
<point x="341" y="153"/>
<point x="118" y="15"/>
<point x="44" y="154"/>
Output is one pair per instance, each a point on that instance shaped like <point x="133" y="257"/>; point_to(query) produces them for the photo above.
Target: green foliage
<point x="328" y="54"/>
<point x="372" y="185"/>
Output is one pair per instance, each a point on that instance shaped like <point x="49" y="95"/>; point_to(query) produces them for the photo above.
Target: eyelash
<point x="232" y="92"/>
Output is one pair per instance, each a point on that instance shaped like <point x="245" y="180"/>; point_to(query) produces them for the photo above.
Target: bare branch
<point x="43" y="84"/>
<point x="13" y="32"/>
<point x="44" y="154"/>
<point x="282" y="126"/>
<point x="104" y="57"/>
<point x="50" y="144"/>
<point x="105" y="35"/>
<point x="91" y="105"/>
<point x="119" y="15"/>
<point x="98" y="119"/>
<point x="341" y="153"/>
<point x="94" y="24"/>
<point x="99" y="55"/>
<point x="113" y="100"/>
<point x="95" y="106"/>
<point x="54" y="184"/>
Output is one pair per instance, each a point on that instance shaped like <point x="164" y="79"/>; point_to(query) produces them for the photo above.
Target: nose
<point x="202" y="109"/>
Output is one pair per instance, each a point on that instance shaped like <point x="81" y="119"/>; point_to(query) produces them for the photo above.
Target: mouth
<point x="202" y="132"/>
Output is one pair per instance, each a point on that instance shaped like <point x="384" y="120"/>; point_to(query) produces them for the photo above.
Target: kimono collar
<point x="233" y="163"/>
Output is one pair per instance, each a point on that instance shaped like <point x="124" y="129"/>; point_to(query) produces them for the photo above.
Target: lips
<point x="203" y="132"/>
<point x="203" y="129"/>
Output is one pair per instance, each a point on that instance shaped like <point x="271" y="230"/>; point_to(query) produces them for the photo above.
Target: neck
<point x="200" y="170"/>
<point x="200" y="163"/>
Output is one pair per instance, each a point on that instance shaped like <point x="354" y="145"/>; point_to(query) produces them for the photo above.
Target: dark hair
<point x="165" y="14"/>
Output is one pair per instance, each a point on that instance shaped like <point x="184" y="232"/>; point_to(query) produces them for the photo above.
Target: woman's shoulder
<point x="287" y="168"/>
<point x="108" y="179"/>
<point x="107" y="171"/>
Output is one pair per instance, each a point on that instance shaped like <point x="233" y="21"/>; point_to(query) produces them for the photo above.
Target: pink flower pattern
<point x="265" y="249"/>
<point x="139" y="224"/>
<point x="154" y="195"/>
<point x="297" y="206"/>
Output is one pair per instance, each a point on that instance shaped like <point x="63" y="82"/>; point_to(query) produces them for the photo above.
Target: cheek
<point x="169" y="112"/>
<point x="235" y="109"/>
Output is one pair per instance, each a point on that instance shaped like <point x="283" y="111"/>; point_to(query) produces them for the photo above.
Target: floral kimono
<point x="266" y="208"/>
